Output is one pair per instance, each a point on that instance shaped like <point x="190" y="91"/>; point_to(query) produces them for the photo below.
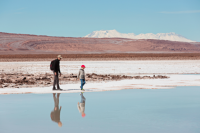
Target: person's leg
<point x="58" y="87"/>
<point x="54" y="98"/>
<point x="54" y="81"/>
<point x="57" y="100"/>
<point x="81" y="83"/>
<point x="82" y="98"/>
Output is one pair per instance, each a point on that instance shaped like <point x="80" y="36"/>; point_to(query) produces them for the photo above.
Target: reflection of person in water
<point x="81" y="105"/>
<point x="55" y="114"/>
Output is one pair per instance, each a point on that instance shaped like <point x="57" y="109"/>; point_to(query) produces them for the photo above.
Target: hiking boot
<point x="59" y="89"/>
<point x="54" y="89"/>
<point x="81" y="93"/>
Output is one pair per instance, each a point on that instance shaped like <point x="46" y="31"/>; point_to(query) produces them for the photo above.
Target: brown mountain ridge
<point x="37" y="44"/>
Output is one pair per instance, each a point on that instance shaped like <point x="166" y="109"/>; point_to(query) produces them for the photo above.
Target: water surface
<point x="126" y="111"/>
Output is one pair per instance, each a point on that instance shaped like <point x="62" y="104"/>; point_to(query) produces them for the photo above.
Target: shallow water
<point x="138" y="110"/>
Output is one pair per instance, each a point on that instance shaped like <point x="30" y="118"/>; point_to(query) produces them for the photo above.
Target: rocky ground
<point x="19" y="80"/>
<point x="99" y="57"/>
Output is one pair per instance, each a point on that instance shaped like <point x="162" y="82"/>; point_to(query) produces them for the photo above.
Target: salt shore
<point x="173" y="81"/>
<point x="108" y="67"/>
<point x="174" y="69"/>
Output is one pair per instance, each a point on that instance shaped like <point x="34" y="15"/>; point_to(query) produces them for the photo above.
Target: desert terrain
<point x="38" y="44"/>
<point x="111" y="63"/>
<point x="100" y="57"/>
<point x="36" y="76"/>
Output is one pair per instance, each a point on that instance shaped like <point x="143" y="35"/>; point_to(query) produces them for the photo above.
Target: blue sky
<point x="77" y="18"/>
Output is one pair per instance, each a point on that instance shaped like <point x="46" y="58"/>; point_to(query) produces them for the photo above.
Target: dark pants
<point x="82" y="83"/>
<point x="56" y="80"/>
<point x="56" y="100"/>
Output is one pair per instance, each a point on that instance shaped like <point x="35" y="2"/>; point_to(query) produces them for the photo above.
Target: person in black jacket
<point x="55" y="114"/>
<point x="56" y="71"/>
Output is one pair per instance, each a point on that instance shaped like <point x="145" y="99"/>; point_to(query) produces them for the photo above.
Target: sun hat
<point x="83" y="66"/>
<point x="59" y="56"/>
<point x="83" y="115"/>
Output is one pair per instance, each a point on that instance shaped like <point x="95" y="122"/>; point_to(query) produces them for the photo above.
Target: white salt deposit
<point x="173" y="81"/>
<point x="112" y="67"/>
<point x="109" y="67"/>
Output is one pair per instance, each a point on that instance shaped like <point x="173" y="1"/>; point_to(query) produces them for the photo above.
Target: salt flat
<point x="173" y="81"/>
<point x="108" y="67"/>
<point x="173" y="69"/>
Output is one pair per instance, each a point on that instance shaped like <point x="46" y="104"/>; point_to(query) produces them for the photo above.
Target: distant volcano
<point x="161" y="36"/>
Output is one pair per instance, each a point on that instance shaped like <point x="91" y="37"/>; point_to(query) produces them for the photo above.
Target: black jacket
<point x="55" y="115"/>
<point x="57" y="66"/>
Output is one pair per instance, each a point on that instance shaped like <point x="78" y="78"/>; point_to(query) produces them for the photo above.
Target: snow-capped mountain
<point x="161" y="36"/>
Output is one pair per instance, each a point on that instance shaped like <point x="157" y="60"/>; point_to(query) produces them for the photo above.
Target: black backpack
<point x="52" y="65"/>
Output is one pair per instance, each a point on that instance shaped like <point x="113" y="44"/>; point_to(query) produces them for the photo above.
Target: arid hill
<point x="33" y="44"/>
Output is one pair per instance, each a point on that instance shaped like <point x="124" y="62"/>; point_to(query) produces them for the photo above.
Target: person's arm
<point x="56" y="67"/>
<point x="54" y="97"/>
<point x="78" y="74"/>
<point x="79" y="109"/>
<point x="59" y="68"/>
